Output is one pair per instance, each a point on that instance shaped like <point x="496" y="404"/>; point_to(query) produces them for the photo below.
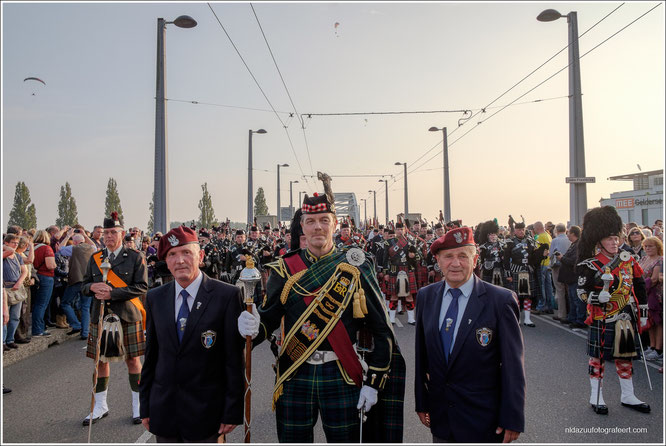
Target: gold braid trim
<point x="290" y="283"/>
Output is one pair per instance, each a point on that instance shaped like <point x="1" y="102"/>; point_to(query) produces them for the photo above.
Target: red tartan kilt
<point x="422" y="275"/>
<point x="382" y="285"/>
<point x="391" y="288"/>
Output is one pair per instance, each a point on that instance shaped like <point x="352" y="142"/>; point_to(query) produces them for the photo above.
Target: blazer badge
<point x="484" y="336"/>
<point x="310" y="330"/>
<point x="208" y="338"/>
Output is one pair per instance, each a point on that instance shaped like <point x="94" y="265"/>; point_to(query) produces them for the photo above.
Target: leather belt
<point x="321" y="357"/>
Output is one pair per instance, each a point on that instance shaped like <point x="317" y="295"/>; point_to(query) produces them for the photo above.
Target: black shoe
<point x="600" y="409"/>
<point x="643" y="407"/>
<point x="6" y="390"/>
<point x="73" y="332"/>
<point x="22" y="341"/>
<point x="44" y="334"/>
<point x="83" y="338"/>
<point x="529" y="325"/>
<point x="537" y="312"/>
<point x="565" y="322"/>
<point x="549" y="312"/>
<point x="411" y="323"/>
<point x="5" y="348"/>
<point x="578" y="325"/>
<point x="86" y="421"/>
<point x="555" y="318"/>
<point x="50" y="324"/>
<point x="136" y="420"/>
<point x="12" y="345"/>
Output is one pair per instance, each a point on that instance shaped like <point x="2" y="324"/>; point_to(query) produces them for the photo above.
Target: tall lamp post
<point x="374" y="207"/>
<point x="386" y="194"/>
<point x="365" y="210"/>
<point x="278" y="191"/>
<point x="161" y="189"/>
<point x="447" y="190"/>
<point x="250" y="208"/>
<point x="577" y="191"/>
<point x="300" y="198"/>
<point x="406" y="192"/>
<point x="291" y="197"/>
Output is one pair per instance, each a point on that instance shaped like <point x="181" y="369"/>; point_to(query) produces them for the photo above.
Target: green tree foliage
<point x="23" y="212"/>
<point x="260" y="206"/>
<point x="67" y="213"/>
<point x="207" y="215"/>
<point x="151" y="210"/>
<point x="112" y="202"/>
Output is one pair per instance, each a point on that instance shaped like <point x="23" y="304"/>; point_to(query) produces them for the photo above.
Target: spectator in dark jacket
<point x="567" y="275"/>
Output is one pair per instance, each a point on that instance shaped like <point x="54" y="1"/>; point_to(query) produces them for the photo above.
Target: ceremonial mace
<point x="105" y="267"/>
<point x="603" y="298"/>
<point x="249" y="277"/>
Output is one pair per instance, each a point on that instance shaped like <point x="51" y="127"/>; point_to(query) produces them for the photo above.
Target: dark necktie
<point x="183" y="313"/>
<point x="112" y="257"/>
<point x="449" y="324"/>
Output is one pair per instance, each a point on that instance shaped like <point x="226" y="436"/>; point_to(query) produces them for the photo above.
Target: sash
<point x="117" y="282"/>
<point x="320" y="322"/>
<point x="621" y="296"/>
<point x="399" y="244"/>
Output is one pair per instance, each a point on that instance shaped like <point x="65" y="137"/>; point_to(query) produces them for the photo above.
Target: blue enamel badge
<point x="484" y="336"/>
<point x="208" y="338"/>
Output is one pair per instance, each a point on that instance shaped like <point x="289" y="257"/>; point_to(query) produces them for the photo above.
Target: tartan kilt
<point x="422" y="275"/>
<point x="382" y="287"/>
<point x="385" y="421"/>
<point x="134" y="339"/>
<point x="514" y="286"/>
<point x="391" y="288"/>
<point x="594" y="336"/>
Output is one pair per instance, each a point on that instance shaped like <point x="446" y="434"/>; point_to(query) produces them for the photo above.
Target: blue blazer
<point x="189" y="389"/>
<point x="483" y="384"/>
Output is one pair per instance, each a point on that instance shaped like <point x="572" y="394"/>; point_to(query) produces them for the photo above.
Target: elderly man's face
<point x="183" y="263"/>
<point x="457" y="264"/>
<point x="97" y="233"/>
<point x="318" y="229"/>
<point x="610" y="245"/>
<point x="113" y="238"/>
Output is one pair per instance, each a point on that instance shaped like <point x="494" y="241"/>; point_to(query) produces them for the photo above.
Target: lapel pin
<point x="198" y="305"/>
<point x="469" y="321"/>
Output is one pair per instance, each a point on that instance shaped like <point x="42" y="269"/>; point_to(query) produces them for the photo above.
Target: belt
<point x="321" y="357"/>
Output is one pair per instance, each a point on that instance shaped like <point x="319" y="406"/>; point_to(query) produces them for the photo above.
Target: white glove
<point x="368" y="398"/>
<point x="248" y="323"/>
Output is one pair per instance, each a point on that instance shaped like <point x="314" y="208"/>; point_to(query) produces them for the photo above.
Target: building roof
<point x="632" y="176"/>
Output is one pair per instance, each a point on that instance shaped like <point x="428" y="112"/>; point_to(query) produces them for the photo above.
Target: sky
<point x="95" y="117"/>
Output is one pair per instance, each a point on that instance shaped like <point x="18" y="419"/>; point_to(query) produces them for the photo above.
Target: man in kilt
<point x="121" y="295"/>
<point x="401" y="257"/>
<point x="518" y="258"/>
<point x="327" y="301"/>
<point x="491" y="254"/>
<point x="611" y="282"/>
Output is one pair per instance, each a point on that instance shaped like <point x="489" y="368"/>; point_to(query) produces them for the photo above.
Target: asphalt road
<point x="51" y="396"/>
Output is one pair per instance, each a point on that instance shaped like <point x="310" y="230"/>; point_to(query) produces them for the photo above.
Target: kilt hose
<point x="594" y="341"/>
<point x="533" y="288"/>
<point x="134" y="339"/>
<point x="391" y="287"/>
<point x="421" y="276"/>
<point x="315" y="389"/>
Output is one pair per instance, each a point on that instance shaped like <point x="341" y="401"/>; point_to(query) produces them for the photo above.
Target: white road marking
<point x="144" y="438"/>
<point x="580" y="335"/>
<point x="398" y="323"/>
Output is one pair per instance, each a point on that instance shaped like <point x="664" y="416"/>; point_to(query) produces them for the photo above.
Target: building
<point x="644" y="203"/>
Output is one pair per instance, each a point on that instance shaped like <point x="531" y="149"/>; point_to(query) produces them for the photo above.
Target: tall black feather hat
<point x="598" y="223"/>
<point x="486" y="228"/>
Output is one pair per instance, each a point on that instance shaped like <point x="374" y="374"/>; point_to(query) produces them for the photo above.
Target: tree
<point x="151" y="209"/>
<point x="260" y="206"/>
<point x="23" y="212"/>
<point x="112" y="202"/>
<point x="67" y="213"/>
<point x="207" y="215"/>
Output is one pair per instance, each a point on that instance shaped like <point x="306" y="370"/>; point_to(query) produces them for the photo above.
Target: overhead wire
<point x="291" y="144"/>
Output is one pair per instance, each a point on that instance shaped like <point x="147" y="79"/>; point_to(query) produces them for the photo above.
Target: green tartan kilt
<point x="384" y="422"/>
<point x="134" y="339"/>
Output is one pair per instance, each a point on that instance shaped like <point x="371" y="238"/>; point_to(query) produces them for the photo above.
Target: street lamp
<point x="300" y="197"/>
<point x="161" y="189"/>
<point x="406" y="194"/>
<point x="291" y="199"/>
<point x="250" y="209"/>
<point x="447" y="190"/>
<point x="374" y="193"/>
<point x="577" y="191"/>
<point x="278" y="190"/>
<point x="386" y="193"/>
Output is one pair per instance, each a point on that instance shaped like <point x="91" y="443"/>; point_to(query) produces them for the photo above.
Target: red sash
<point x="338" y="338"/>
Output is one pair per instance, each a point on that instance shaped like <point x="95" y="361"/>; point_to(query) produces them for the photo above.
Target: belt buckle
<point x="317" y="356"/>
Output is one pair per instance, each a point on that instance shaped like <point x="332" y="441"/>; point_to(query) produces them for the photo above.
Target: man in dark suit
<point x="470" y="377"/>
<point x="192" y="379"/>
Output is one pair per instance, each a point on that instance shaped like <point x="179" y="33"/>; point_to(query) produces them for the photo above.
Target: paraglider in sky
<point x="336" y="28"/>
<point x="32" y="80"/>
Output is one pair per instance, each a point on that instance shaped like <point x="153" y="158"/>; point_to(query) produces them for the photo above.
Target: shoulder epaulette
<point x="279" y="267"/>
<point x="589" y="263"/>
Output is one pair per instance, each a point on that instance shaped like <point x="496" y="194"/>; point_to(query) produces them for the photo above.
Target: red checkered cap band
<point x="321" y="207"/>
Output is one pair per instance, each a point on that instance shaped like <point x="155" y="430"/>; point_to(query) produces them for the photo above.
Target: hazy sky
<point x="95" y="118"/>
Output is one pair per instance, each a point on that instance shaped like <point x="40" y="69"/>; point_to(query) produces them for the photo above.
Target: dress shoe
<point x="6" y="390"/>
<point x="12" y="345"/>
<point x="643" y="407"/>
<point x="529" y="325"/>
<point x="22" y="341"/>
<point x="600" y="409"/>
<point x="136" y="420"/>
<point x="73" y="332"/>
<point x="86" y="422"/>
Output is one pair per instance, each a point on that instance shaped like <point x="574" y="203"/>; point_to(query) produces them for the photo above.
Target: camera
<point x="77" y="231"/>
